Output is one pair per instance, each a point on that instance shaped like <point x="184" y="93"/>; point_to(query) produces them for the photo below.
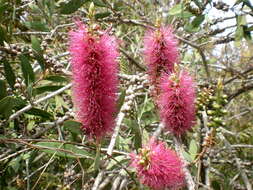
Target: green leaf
<point x="37" y="25"/>
<point x="19" y="103"/>
<point x="146" y="114"/>
<point x="38" y="52"/>
<point x="187" y="156"/>
<point x="71" y="6"/>
<point x="3" y="7"/>
<point x="3" y="92"/>
<point x="249" y="29"/>
<point x="9" y="74"/>
<point x="6" y="105"/>
<point x="245" y="2"/>
<point x="97" y="158"/>
<point x="59" y="103"/>
<point x="178" y="11"/>
<point x="66" y="150"/>
<point x="239" y="33"/>
<point x="144" y="107"/>
<point x="102" y="15"/>
<point x="119" y="5"/>
<point x="194" y="25"/>
<point x="193" y="149"/>
<point x="56" y="78"/>
<point x="113" y="164"/>
<point x="2" y="35"/>
<point x="241" y="20"/>
<point x="15" y="163"/>
<point x="216" y="185"/>
<point x="120" y="100"/>
<point x="43" y="89"/>
<point x="27" y="70"/>
<point x="99" y="3"/>
<point x="137" y="138"/>
<point x="30" y="125"/>
<point x="39" y="112"/>
<point x="197" y="21"/>
<point x="246" y="33"/>
<point x="72" y="126"/>
<point x="190" y="28"/>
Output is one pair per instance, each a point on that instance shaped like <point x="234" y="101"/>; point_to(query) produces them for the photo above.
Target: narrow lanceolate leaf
<point x="39" y="112"/>
<point x="198" y="20"/>
<point x="56" y="78"/>
<point x="178" y="11"/>
<point x="64" y="150"/>
<point x="2" y="35"/>
<point x="6" y="105"/>
<point x="72" y="126"/>
<point x="3" y="92"/>
<point x="43" y="89"/>
<point x="27" y="70"/>
<point x="102" y="15"/>
<point x="9" y="74"/>
<point x="38" y="52"/>
<point x="71" y="6"/>
<point x="37" y="25"/>
<point x="120" y="100"/>
<point x="97" y="159"/>
<point x="193" y="149"/>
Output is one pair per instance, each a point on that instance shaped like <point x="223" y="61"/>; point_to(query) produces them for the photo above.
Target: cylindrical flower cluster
<point x="176" y="102"/>
<point x="160" y="53"/>
<point x="95" y="68"/>
<point x="158" y="167"/>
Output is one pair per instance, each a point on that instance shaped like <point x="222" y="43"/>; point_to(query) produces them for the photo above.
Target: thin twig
<point x="27" y="174"/>
<point x="82" y="169"/>
<point x="30" y="106"/>
<point x="15" y="154"/>
<point x="43" y="170"/>
<point x="158" y="131"/>
<point x="37" y="170"/>
<point x="51" y="125"/>
<point x="239" y="167"/>
<point x="240" y="91"/>
<point x="188" y="176"/>
<point x="142" y="68"/>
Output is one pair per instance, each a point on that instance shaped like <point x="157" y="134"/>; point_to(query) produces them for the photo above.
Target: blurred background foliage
<point x="41" y="144"/>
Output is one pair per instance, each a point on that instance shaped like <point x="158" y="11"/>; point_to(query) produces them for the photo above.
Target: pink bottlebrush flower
<point x="94" y="67"/>
<point x="160" y="52"/>
<point x="158" y="167"/>
<point x="177" y="102"/>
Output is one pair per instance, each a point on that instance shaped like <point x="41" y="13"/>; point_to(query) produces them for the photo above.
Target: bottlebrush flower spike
<point x="94" y="67"/>
<point x="177" y="102"/>
<point x="160" y="52"/>
<point x="158" y="167"/>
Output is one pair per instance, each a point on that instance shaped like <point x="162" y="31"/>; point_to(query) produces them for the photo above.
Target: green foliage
<point x="27" y="70"/>
<point x="71" y="6"/>
<point x="3" y="91"/>
<point x="178" y="11"/>
<point x="38" y="53"/>
<point x="9" y="74"/>
<point x="63" y="150"/>
<point x="6" y="105"/>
